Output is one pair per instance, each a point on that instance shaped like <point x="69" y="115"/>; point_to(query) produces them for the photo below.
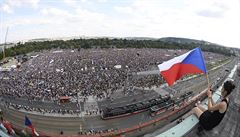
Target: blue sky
<point x="212" y="20"/>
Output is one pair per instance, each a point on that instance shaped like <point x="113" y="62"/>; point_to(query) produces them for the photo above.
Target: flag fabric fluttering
<point x="28" y="123"/>
<point x="191" y="62"/>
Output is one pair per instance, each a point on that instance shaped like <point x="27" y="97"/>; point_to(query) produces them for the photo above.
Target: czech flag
<point x="191" y="62"/>
<point x="28" y="123"/>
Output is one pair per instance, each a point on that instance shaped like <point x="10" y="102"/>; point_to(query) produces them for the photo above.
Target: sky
<point x="216" y="21"/>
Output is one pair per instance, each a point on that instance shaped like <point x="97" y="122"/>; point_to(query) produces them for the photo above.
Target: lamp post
<point x="81" y="114"/>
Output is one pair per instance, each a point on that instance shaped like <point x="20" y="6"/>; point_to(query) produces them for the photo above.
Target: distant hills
<point x="174" y="40"/>
<point x="201" y="43"/>
<point x="186" y="41"/>
<point x="40" y="44"/>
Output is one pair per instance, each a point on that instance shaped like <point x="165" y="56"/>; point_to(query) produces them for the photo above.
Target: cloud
<point x="210" y="8"/>
<point x="125" y="10"/>
<point x="216" y="9"/>
<point x="215" y="21"/>
<point x="6" y="8"/>
<point x="55" y="12"/>
<point x="102" y="1"/>
<point x="84" y="0"/>
<point x="9" y="6"/>
<point x="210" y="13"/>
<point x="70" y="2"/>
<point x="33" y="3"/>
<point x="76" y="17"/>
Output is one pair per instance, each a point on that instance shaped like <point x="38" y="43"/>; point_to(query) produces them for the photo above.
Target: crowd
<point x="96" y="72"/>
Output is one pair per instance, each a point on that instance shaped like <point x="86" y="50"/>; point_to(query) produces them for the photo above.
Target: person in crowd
<point x="88" y="72"/>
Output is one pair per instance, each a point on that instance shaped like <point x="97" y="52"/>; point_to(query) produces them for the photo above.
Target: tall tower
<point x="5" y="43"/>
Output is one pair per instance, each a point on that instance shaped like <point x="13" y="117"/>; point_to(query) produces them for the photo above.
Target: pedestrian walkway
<point x="91" y="106"/>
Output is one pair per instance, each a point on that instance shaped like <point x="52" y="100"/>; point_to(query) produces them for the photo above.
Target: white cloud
<point x="125" y="10"/>
<point x="209" y="8"/>
<point x="9" y="6"/>
<point x="215" y="21"/>
<point x="88" y="15"/>
<point x="102" y="1"/>
<point x="22" y="21"/>
<point x="6" y="8"/>
<point x="84" y="0"/>
<point x="55" y="12"/>
<point x="78" y="17"/>
<point x="70" y="2"/>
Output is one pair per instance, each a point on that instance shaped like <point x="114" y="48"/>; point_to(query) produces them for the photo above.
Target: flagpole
<point x="207" y="79"/>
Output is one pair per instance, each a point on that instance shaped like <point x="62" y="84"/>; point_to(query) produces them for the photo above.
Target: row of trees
<point x="27" y="47"/>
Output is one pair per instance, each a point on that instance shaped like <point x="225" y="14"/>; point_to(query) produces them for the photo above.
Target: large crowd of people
<point x="97" y="72"/>
<point x="48" y="75"/>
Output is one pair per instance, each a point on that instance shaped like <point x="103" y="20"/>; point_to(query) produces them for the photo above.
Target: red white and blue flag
<point x="28" y="123"/>
<point x="191" y="62"/>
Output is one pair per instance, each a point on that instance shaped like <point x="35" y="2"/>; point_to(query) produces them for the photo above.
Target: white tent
<point x="118" y="66"/>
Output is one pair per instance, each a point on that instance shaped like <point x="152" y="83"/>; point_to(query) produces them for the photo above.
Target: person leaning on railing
<point x="211" y="117"/>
